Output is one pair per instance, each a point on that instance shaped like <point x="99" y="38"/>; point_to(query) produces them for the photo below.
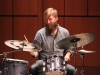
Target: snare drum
<point x="54" y="65"/>
<point x="14" y="67"/>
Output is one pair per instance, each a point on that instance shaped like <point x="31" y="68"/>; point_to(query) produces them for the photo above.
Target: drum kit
<point x="72" y="42"/>
<point x="75" y="41"/>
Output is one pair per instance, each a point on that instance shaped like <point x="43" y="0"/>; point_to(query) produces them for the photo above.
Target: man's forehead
<point x="48" y="16"/>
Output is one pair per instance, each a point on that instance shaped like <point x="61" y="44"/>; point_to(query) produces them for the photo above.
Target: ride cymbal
<point x="77" y="40"/>
<point x="25" y="46"/>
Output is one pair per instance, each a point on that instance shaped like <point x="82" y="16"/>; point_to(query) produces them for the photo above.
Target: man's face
<point x="50" y="21"/>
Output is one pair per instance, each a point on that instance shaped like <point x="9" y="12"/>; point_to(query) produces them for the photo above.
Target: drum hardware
<point x="82" y="51"/>
<point x="16" y="44"/>
<point x="5" y="56"/>
<point x="75" y="53"/>
<point x="54" y="64"/>
<point x="82" y="54"/>
<point x="14" y="67"/>
<point x="18" y="48"/>
<point x="44" y="63"/>
<point x="75" y="41"/>
<point x="64" y="67"/>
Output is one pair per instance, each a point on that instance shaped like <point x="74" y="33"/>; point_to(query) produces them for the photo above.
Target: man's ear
<point x="57" y="18"/>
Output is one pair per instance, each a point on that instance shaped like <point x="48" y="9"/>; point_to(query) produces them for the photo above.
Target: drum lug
<point x="44" y="66"/>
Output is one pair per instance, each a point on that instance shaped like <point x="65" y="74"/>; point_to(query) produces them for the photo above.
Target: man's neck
<point x="54" y="32"/>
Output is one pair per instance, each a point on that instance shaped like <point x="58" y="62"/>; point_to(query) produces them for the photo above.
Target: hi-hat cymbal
<point x="25" y="46"/>
<point x="85" y="51"/>
<point x="77" y="40"/>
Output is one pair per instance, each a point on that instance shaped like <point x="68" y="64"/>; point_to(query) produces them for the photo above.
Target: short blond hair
<point x="51" y="11"/>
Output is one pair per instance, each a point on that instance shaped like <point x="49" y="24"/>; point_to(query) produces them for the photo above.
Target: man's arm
<point x="37" y="41"/>
<point x="34" y="54"/>
<point x="67" y="56"/>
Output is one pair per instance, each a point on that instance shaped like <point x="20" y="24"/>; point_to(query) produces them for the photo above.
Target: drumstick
<point x="26" y="38"/>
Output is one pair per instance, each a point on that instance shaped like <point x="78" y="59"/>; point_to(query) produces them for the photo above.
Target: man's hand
<point x="67" y="56"/>
<point x="35" y="54"/>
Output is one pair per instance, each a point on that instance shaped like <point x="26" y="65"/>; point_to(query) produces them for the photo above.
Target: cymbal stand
<point x="82" y="56"/>
<point x="75" y="53"/>
<point x="82" y="71"/>
<point x="5" y="53"/>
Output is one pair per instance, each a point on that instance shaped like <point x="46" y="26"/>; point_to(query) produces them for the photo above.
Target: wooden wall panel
<point x="93" y="7"/>
<point x="94" y="28"/>
<point x="5" y="7"/>
<point x="61" y="21"/>
<point x="57" y="4"/>
<point x="40" y="14"/>
<point x="25" y="26"/>
<point x="24" y="17"/>
<point x="88" y="70"/>
<point x="25" y="7"/>
<point x="86" y="25"/>
<point x="5" y="34"/>
<point x="76" y="25"/>
<point x="75" y="7"/>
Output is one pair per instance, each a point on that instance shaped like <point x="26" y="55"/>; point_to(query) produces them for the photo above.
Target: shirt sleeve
<point x="68" y="50"/>
<point x="37" y="40"/>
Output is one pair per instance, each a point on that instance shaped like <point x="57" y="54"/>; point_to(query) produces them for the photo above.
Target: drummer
<point x="46" y="38"/>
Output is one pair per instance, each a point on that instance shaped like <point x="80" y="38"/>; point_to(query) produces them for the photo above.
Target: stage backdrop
<point x="25" y="17"/>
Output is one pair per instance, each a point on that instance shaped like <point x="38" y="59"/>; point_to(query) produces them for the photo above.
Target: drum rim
<point x="15" y="60"/>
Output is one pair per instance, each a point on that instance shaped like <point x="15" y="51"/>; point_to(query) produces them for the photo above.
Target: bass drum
<point x="54" y="65"/>
<point x="14" y="67"/>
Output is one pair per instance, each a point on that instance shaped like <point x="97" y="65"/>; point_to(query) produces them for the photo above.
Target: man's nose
<point x="48" y="21"/>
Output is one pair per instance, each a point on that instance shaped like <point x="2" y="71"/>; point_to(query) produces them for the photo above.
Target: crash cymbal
<point x="25" y="46"/>
<point x="77" y="40"/>
<point x="85" y="51"/>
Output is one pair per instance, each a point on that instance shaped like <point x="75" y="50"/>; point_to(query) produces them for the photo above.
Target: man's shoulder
<point x="42" y="30"/>
<point x="62" y="29"/>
